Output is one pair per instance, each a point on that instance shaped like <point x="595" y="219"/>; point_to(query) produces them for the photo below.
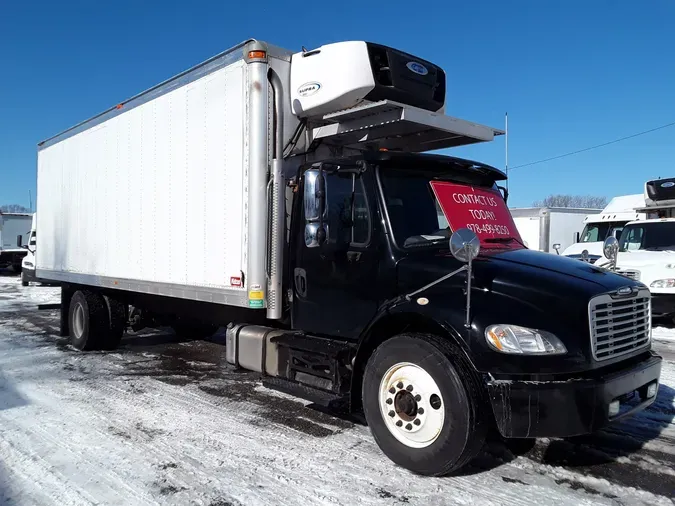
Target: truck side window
<point x="348" y="208"/>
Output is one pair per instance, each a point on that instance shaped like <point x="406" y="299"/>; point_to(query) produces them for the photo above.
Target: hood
<point x="594" y="248"/>
<point x="642" y="258"/>
<point x="526" y="272"/>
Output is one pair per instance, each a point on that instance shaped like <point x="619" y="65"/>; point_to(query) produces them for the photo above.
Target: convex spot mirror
<point x="611" y="248"/>
<point x="464" y="245"/>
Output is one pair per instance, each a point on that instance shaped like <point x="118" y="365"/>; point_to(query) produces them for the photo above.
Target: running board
<point x="320" y="397"/>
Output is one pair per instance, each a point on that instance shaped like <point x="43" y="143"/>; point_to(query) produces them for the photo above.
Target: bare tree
<point x="578" y="201"/>
<point x="14" y="208"/>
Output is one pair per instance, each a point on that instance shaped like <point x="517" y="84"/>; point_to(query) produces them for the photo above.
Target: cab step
<point x="314" y="395"/>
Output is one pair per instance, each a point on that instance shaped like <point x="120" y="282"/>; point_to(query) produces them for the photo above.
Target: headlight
<point x="28" y="264"/>
<point x="663" y="283"/>
<point x="523" y="341"/>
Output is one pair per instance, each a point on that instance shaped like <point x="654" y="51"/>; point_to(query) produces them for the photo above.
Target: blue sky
<point x="570" y="74"/>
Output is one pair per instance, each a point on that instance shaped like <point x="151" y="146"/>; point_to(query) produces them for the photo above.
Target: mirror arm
<point x="439" y="280"/>
<point x="469" y="273"/>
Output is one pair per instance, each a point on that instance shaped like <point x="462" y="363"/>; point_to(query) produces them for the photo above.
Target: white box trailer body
<point x="543" y="227"/>
<point x="154" y="195"/>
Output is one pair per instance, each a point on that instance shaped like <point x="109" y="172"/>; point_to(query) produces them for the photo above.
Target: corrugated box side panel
<point x="155" y="194"/>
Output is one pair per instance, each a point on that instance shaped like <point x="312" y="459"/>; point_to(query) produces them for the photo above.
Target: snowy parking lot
<point x="164" y="421"/>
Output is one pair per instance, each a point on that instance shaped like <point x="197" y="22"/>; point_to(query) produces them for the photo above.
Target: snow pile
<point x="663" y="334"/>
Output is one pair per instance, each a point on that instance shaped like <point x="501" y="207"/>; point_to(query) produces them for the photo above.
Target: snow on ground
<point x="161" y="421"/>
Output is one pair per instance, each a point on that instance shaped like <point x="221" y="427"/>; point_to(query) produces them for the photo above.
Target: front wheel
<point x="423" y="404"/>
<point x="24" y="281"/>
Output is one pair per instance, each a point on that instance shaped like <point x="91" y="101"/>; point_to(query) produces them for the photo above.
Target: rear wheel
<point x="117" y="312"/>
<point x="89" y="321"/>
<point x="423" y="404"/>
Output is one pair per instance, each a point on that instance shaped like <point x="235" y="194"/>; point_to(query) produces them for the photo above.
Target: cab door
<point x="334" y="280"/>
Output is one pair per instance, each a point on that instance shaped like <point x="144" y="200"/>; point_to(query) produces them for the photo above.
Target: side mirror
<point x="556" y="247"/>
<point x="464" y="245"/>
<point x="19" y="241"/>
<point x="577" y="237"/>
<point x="315" y="208"/>
<point x="611" y="250"/>
<point x="314" y="235"/>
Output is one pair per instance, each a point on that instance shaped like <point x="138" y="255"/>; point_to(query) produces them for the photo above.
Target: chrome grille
<point x="619" y="325"/>
<point x="635" y="275"/>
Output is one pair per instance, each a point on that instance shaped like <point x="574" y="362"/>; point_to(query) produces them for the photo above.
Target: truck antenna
<point x="506" y="147"/>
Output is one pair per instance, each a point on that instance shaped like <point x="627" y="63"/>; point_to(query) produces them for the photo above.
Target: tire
<point x="24" y="281"/>
<point x="89" y="321"/>
<point x="117" y="313"/>
<point x="450" y="405"/>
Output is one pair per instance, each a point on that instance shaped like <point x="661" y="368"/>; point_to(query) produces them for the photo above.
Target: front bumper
<point x="529" y="409"/>
<point x="663" y="304"/>
<point x="28" y="274"/>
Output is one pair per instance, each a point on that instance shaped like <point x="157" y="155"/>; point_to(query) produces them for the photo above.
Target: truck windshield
<point x="424" y="207"/>
<point x="656" y="236"/>
<point x="598" y="232"/>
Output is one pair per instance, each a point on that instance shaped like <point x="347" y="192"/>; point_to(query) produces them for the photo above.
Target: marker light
<point x="614" y="408"/>
<point x="257" y="55"/>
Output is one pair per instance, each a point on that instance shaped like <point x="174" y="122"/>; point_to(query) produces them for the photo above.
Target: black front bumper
<point x="572" y="407"/>
<point x="663" y="304"/>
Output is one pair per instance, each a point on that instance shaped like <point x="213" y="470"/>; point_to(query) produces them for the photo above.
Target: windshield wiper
<point x="503" y="240"/>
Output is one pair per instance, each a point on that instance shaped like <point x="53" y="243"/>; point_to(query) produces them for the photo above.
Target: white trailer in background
<point x="610" y="222"/>
<point x="549" y="229"/>
<point x="14" y="232"/>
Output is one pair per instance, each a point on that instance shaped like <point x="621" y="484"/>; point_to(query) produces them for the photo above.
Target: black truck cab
<point x="551" y="346"/>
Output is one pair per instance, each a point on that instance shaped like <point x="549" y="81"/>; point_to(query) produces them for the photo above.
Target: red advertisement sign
<point x="479" y="209"/>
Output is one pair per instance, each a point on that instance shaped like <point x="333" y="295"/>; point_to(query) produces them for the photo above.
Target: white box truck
<point x="14" y="231"/>
<point x="550" y="229"/>
<point x="608" y="223"/>
<point x="286" y="195"/>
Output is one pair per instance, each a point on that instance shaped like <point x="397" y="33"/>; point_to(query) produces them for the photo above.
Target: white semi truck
<point x="14" y="231"/>
<point x="285" y="195"/>
<point x="608" y="223"/>
<point x="647" y="246"/>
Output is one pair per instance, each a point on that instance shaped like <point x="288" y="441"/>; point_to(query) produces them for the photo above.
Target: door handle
<point x="300" y="276"/>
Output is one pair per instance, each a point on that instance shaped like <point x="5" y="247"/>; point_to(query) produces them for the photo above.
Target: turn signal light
<point x="257" y="55"/>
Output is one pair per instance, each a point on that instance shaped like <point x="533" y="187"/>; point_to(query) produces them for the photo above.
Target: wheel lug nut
<point x="408" y="427"/>
<point x="400" y="385"/>
<point x="399" y="423"/>
<point x="418" y="397"/>
<point x="391" y="414"/>
<point x="420" y="411"/>
<point x="409" y="388"/>
<point x="392" y="390"/>
<point x="416" y="421"/>
<point x="389" y="401"/>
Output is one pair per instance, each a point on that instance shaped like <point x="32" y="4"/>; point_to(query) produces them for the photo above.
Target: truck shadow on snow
<point x="9" y="396"/>
<point x="630" y="452"/>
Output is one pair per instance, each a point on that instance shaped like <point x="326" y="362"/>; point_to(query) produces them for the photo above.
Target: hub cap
<point x="411" y="405"/>
<point x="78" y="321"/>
